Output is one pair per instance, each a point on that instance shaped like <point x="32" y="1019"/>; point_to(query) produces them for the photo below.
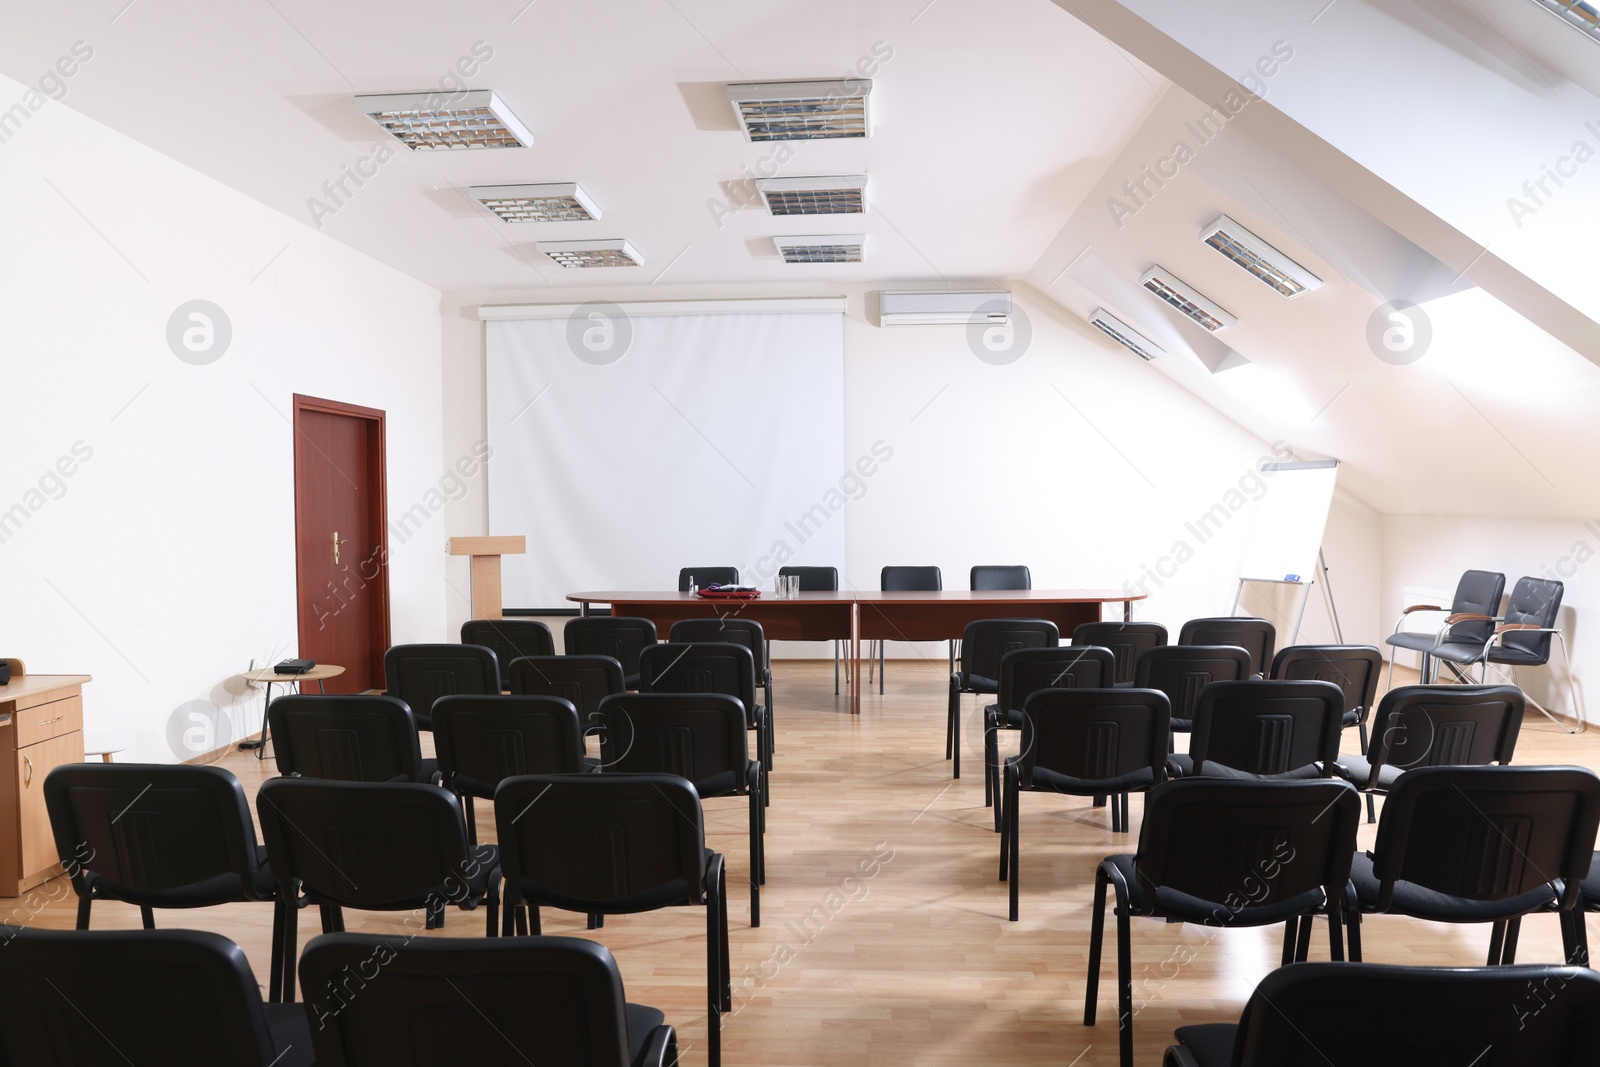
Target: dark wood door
<point x="340" y="548"/>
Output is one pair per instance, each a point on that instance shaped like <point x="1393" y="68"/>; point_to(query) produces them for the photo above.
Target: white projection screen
<point x="701" y="444"/>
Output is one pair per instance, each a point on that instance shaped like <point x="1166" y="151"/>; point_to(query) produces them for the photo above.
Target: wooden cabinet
<point x="41" y="727"/>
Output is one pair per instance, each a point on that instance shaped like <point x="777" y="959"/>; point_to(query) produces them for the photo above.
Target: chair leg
<point x="1352" y="923"/>
<point x="468" y="808"/>
<point x="1291" y="938"/>
<point x="1097" y="929"/>
<point x="952" y="711"/>
<point x="531" y="923"/>
<point x="755" y="858"/>
<point x="1496" y="941"/>
<point x="1361" y="732"/>
<point x="1302" y="948"/>
<point x="1013" y="830"/>
<point x="1335" y="930"/>
<point x="1126" y="803"/>
<point x="288" y="948"/>
<point x="1125" y="982"/>
<point x="1508" y="951"/>
<point x="880" y="671"/>
<point x="1005" y="834"/>
<point x="85" y="902"/>
<point x="1372" y="815"/>
<point x="147" y="916"/>
<point x="275" y="983"/>
<point x="1575" y="936"/>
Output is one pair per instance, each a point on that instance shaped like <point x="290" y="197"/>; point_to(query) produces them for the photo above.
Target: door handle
<point x="336" y="544"/>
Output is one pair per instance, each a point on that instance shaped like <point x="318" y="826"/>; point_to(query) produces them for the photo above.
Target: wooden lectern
<point x="486" y="553"/>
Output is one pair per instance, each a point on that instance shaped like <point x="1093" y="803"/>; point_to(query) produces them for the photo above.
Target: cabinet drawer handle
<point x="27" y="775"/>
<point x="47" y="722"/>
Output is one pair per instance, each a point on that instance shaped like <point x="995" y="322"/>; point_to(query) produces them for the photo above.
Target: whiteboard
<point x="1290" y="520"/>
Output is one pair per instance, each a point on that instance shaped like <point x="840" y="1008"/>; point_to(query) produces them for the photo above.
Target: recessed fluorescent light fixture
<point x="612" y="253"/>
<point x="559" y="202"/>
<point x="822" y="248"/>
<point x="1583" y="14"/>
<point x="844" y="194"/>
<point x="1125" y="335"/>
<point x="1181" y="295"/>
<point x="801" y="111"/>
<point x="440" y="121"/>
<point x="1259" y="258"/>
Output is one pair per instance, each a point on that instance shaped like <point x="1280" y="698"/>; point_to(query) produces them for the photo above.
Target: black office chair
<point x="983" y="644"/>
<point x="1126" y="640"/>
<point x="1524" y="635"/>
<point x="582" y="681"/>
<point x="711" y="667"/>
<point x="374" y="846"/>
<point x="621" y="637"/>
<point x="482" y="741"/>
<point x="1435" y="726"/>
<point x="421" y="674"/>
<point x="1574" y="925"/>
<point x="1479" y="845"/>
<point x="703" y="739"/>
<point x="746" y="632"/>
<point x="1181" y="671"/>
<point x="706" y="576"/>
<point x="818" y="580"/>
<point x="1378" y="1015"/>
<point x="348" y="738"/>
<point x="909" y="580"/>
<point x="1084" y="743"/>
<point x="1022" y="673"/>
<point x="1228" y="854"/>
<point x="992" y="578"/>
<point x="554" y="1001"/>
<point x="508" y="639"/>
<point x="86" y="998"/>
<point x="1255" y="636"/>
<point x="1469" y="624"/>
<point x="1355" y="669"/>
<point x="643" y="847"/>
<point x="1273" y="730"/>
<point x="158" y="836"/>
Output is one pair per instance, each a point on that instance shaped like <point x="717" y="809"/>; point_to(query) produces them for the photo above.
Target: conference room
<point x="897" y="532"/>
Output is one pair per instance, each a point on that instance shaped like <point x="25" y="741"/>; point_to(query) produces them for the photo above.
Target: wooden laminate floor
<point x="885" y="939"/>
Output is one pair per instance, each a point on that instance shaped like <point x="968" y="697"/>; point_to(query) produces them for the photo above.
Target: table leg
<point x="855" y="659"/>
<point x="1127" y="611"/>
<point x="261" y="745"/>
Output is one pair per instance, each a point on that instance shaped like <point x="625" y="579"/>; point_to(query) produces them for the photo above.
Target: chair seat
<point x="991" y="718"/>
<point x="1043" y="778"/>
<point x="1211" y="1044"/>
<point x="641" y="1022"/>
<point x="290" y="1025"/>
<point x="1591" y="885"/>
<point x="1351" y="718"/>
<point x="221" y="889"/>
<point x="1357" y="771"/>
<point x="1172" y="904"/>
<point x="976" y="683"/>
<point x="631" y="681"/>
<point x="1454" y="651"/>
<point x="665" y="896"/>
<point x="1517" y="657"/>
<point x="485" y="872"/>
<point x="1181" y="765"/>
<point x="1419" y="902"/>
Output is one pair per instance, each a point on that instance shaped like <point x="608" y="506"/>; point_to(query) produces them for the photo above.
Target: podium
<point x="486" y="553"/>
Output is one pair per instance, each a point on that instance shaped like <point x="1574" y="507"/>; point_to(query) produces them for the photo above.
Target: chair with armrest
<point x="1524" y="635"/>
<point x="1355" y="669"/>
<point x="1126" y="640"/>
<point x="909" y="580"/>
<point x="622" y="637"/>
<point x="1468" y="625"/>
<point x="984" y="643"/>
<point x="508" y="639"/>
<point x="818" y="580"/>
<point x="421" y="674"/>
<point x="1255" y="636"/>
<point x="1275" y="730"/>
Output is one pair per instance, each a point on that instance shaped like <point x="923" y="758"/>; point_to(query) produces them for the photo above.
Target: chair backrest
<point x="1181" y="671"/>
<point x="994" y="577"/>
<point x="363" y="844"/>
<point x="345" y="738"/>
<point x="482" y="741"/>
<point x="1268" y="727"/>
<point x="622" y="637"/>
<point x="1125" y="640"/>
<point x="1255" y="636"/>
<point x="746" y="632"/>
<point x="1487" y="833"/>
<point x="1096" y="734"/>
<point x="421" y="674"/>
<point x="911" y="580"/>
<point x="582" y="681"/>
<point x="508" y="639"/>
<point x="703" y="738"/>
<point x="1355" y="669"/>
<point x="1027" y="670"/>
<point x="985" y="642"/>
<point x="76" y="998"/>
<point x="1445" y="726"/>
<point x="1382" y="1015"/>
<point x="814" y="579"/>
<point x="1246" y="845"/>
<point x="701" y="667"/>
<point x="601" y="842"/>
<point x="1478" y="593"/>
<point x="704" y="576"/>
<point x="557" y="999"/>
<point x="1534" y="602"/>
<point x="151" y="828"/>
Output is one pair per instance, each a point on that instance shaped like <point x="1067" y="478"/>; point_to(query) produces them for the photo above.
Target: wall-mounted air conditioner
<point x="944" y="307"/>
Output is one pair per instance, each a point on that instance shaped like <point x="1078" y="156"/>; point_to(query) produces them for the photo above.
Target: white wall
<point x="165" y="562"/>
<point x="1432" y="551"/>
<point x="1076" y="459"/>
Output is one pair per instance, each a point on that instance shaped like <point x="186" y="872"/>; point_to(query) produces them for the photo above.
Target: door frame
<point x="377" y="516"/>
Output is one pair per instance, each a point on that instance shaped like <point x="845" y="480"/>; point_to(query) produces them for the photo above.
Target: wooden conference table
<point x="857" y="616"/>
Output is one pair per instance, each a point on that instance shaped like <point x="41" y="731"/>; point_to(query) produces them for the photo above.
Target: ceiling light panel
<point x="1258" y="258"/>
<point x="438" y="121"/>
<point x="575" y="254"/>
<point x="801" y="111"/>
<point x="836" y="195"/>
<point x="558" y="202"/>
<point x="1125" y="335"/>
<point x="1584" y="14"/>
<point x="822" y="248"/>
<point x="1187" y="299"/>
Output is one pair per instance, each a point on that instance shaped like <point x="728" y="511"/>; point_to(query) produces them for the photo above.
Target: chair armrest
<point x="1469" y="616"/>
<point x="1526" y="626"/>
<point x="1422" y="607"/>
<point x="660" y="1048"/>
<point x="1179" y="1056"/>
